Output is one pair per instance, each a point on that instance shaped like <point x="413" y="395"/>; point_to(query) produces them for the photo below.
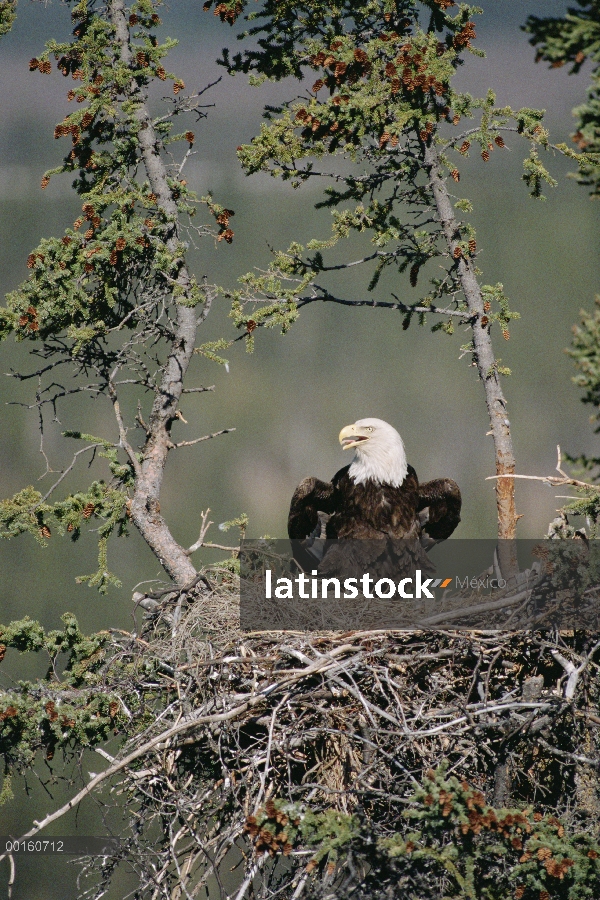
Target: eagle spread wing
<point x="439" y="508"/>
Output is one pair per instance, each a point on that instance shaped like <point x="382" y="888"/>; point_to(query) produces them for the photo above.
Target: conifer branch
<point x="326" y="297"/>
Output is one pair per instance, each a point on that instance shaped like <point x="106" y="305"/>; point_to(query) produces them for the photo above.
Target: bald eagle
<point x="377" y="498"/>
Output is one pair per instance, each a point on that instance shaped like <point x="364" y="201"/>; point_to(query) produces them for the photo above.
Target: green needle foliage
<point x="574" y="39"/>
<point x="83" y="284"/>
<point x="8" y="14"/>
<point x="586" y="353"/>
<point x="377" y="80"/>
<point x="27" y="512"/>
<point x="66" y="712"/>
<point x="450" y="843"/>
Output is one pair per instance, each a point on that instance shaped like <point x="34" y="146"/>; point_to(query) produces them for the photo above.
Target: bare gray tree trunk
<point x="483" y="353"/>
<point x="145" y="507"/>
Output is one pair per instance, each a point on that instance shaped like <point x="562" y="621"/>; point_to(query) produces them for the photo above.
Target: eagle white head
<point x="379" y="452"/>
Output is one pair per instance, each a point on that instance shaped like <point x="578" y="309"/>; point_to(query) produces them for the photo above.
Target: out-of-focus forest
<point x="290" y="398"/>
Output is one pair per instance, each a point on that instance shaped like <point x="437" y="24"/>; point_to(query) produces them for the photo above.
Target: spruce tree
<point x="379" y="123"/>
<point x="111" y="305"/>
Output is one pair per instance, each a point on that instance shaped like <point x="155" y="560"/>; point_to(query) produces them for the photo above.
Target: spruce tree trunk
<point x="145" y="507"/>
<point x="486" y="365"/>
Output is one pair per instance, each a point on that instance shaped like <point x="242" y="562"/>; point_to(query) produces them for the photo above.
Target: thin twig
<point x="66" y="471"/>
<point x="552" y="479"/>
<point x="206" y="437"/>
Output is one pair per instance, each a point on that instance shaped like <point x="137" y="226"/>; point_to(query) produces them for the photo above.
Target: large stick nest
<point x="349" y="722"/>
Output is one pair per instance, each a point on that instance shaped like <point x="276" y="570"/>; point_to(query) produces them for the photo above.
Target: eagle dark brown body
<point x="372" y="511"/>
<point x="389" y="518"/>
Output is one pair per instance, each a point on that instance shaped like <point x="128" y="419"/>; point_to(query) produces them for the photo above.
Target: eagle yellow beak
<point x="351" y="437"/>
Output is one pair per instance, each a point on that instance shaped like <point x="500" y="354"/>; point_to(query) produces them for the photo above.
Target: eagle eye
<point x="369" y="428"/>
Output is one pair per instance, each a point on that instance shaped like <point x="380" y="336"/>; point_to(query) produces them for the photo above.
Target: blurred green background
<point x="290" y="398"/>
